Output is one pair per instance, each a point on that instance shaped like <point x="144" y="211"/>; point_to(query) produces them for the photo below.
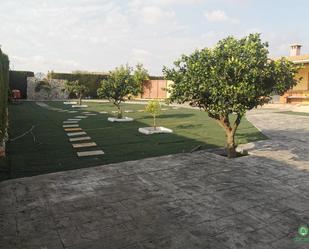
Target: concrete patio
<point x="187" y="201"/>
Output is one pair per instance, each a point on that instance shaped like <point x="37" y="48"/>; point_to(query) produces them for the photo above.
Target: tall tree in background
<point x="233" y="77"/>
<point x="121" y="83"/>
<point x="76" y="88"/>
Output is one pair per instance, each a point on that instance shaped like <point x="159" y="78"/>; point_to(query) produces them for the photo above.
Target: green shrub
<point x="4" y="83"/>
<point x="90" y="80"/>
<point x="76" y="88"/>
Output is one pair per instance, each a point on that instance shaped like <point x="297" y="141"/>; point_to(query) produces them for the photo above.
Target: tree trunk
<point x="154" y="122"/>
<point x="230" y="131"/>
<point x="230" y="144"/>
<point x="2" y="150"/>
<point x="80" y="100"/>
<point x="119" y="115"/>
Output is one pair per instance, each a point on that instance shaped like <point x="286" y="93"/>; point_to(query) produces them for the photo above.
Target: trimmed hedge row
<point x="92" y="81"/>
<point x="18" y="81"/>
<point x="4" y="84"/>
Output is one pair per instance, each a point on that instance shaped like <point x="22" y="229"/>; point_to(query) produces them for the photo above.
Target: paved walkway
<point x="289" y="137"/>
<point x="186" y="201"/>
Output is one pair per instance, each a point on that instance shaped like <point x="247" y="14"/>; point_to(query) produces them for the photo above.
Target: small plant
<point x="75" y="87"/>
<point x="154" y="108"/>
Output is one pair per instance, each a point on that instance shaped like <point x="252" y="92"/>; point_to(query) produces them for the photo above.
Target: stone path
<point x="72" y="124"/>
<point x="289" y="137"/>
<point x="185" y="201"/>
<point x="79" y="135"/>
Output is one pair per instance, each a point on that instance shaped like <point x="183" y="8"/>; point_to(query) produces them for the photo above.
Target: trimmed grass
<point x="49" y="150"/>
<point x="295" y="113"/>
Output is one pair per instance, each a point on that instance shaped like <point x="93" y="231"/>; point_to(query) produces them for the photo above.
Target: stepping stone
<point x="84" y="145"/>
<point x="140" y="110"/>
<point x="75" y="139"/>
<point x="124" y="119"/>
<point x="70" y="126"/>
<point x="85" y="112"/>
<point x="164" y="109"/>
<point x="73" y="111"/>
<point x="70" y="122"/>
<point x="74" y="119"/>
<point x="71" y="134"/>
<point x="79" y="106"/>
<point x="90" y="153"/>
<point x="42" y="104"/>
<point x="70" y="103"/>
<point x="90" y="114"/>
<point x="73" y="129"/>
<point x="81" y="117"/>
<point x="128" y="111"/>
<point x="103" y="112"/>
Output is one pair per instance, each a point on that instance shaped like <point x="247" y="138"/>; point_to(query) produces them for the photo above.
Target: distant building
<point x="300" y="92"/>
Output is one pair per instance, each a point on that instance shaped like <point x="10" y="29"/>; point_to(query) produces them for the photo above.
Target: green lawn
<point x="295" y="113"/>
<point x="50" y="151"/>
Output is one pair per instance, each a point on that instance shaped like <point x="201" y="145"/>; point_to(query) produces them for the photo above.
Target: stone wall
<point x="55" y="93"/>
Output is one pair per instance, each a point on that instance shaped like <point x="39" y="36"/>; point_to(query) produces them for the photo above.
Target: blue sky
<point x="98" y="35"/>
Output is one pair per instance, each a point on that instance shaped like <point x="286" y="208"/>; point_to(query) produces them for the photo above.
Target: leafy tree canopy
<point x="234" y="76"/>
<point x="76" y="88"/>
<point x="121" y="83"/>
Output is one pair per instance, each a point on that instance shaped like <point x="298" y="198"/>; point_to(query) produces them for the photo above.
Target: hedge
<point x="4" y="83"/>
<point x="18" y="80"/>
<point x="92" y="81"/>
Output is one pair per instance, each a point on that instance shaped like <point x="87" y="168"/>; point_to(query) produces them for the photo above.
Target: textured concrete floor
<point x="187" y="201"/>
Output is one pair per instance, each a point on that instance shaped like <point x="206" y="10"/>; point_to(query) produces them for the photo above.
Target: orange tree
<point x="121" y="83"/>
<point x="231" y="78"/>
<point x="76" y="88"/>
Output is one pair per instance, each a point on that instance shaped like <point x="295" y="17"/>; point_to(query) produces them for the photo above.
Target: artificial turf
<point x="295" y="113"/>
<point x="48" y="149"/>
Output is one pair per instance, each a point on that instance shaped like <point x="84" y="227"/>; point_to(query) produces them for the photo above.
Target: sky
<point x="98" y="35"/>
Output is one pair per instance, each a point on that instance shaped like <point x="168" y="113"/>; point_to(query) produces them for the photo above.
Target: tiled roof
<point x="299" y="59"/>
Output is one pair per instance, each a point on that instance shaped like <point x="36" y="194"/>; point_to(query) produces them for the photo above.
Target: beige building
<point x="300" y="92"/>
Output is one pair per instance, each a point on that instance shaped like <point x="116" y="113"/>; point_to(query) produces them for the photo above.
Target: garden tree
<point x="140" y="75"/>
<point x="122" y="82"/>
<point x="225" y="81"/>
<point x="75" y="87"/>
<point x="154" y="108"/>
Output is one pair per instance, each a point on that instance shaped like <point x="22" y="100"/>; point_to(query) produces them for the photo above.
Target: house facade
<point x="300" y="92"/>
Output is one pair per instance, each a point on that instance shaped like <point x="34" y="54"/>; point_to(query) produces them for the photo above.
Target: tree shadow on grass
<point x="120" y="141"/>
<point x="254" y="136"/>
<point x="178" y="115"/>
<point x="52" y="151"/>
